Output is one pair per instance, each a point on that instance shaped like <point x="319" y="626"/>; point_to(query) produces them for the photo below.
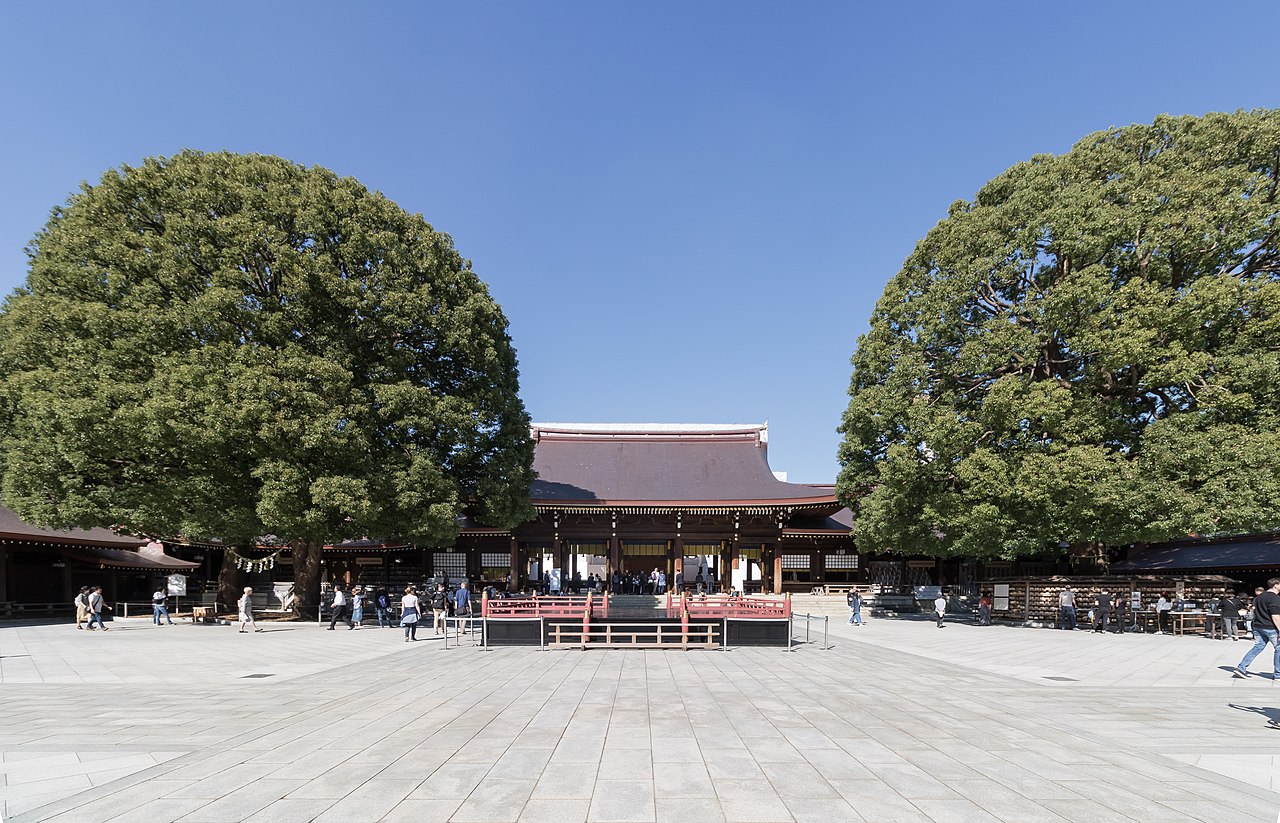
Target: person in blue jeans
<point x="157" y="606"/>
<point x="1266" y="629"/>
<point x="854" y="599"/>
<point x="1067" y="606"/>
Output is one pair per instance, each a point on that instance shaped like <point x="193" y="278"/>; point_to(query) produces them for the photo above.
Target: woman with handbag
<point x="410" y="612"/>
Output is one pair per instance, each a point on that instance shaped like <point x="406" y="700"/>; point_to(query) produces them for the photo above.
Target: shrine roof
<point x="14" y="528"/>
<point x="654" y="464"/>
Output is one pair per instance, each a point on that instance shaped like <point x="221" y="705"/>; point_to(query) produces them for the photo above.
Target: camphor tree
<point x="232" y="346"/>
<point x="1086" y="354"/>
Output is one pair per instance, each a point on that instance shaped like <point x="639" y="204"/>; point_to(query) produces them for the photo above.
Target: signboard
<point x="1136" y="601"/>
<point x="1001" y="598"/>
<point x="368" y="561"/>
<point x="554" y="586"/>
<point x="177" y="585"/>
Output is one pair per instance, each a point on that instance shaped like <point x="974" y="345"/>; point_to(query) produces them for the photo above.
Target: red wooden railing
<point x="718" y="605"/>
<point x="538" y="606"/>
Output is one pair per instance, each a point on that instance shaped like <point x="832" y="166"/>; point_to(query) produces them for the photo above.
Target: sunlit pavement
<point x="898" y="721"/>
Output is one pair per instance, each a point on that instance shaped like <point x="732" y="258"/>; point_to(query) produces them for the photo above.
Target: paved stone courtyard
<point x="897" y="722"/>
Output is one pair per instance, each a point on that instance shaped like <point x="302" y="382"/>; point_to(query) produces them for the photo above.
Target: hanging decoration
<point x="254" y="565"/>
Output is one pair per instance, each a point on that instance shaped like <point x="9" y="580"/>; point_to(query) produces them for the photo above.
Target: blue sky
<point x="687" y="210"/>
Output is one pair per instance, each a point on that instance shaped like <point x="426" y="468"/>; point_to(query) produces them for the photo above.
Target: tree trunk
<point x="230" y="583"/>
<point x="306" y="578"/>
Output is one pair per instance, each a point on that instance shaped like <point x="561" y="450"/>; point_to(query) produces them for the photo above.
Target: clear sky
<point x="687" y="210"/>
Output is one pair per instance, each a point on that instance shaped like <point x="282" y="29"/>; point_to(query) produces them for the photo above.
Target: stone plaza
<point x="897" y="721"/>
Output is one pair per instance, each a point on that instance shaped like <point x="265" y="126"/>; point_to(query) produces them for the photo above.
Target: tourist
<point x="662" y="583"/>
<point x="1101" y="612"/>
<point x="678" y="583"/>
<point x="96" y="605"/>
<point x="82" y="607"/>
<point x="357" y="607"/>
<point x="245" y="606"/>
<point x="615" y="582"/>
<point x="439" y="608"/>
<point x="854" y="599"/>
<point x="1120" y="603"/>
<point x="1228" y="614"/>
<point x="1067" y="609"/>
<point x="940" y="608"/>
<point x="410" y="613"/>
<point x="984" y="610"/>
<point x="157" y="605"/>
<point x="1266" y="629"/>
<point x="383" y="605"/>
<point x="1248" y="609"/>
<point x="700" y="582"/>
<point x="341" y="611"/>
<point x="462" y="602"/>
<point x="1164" y="607"/>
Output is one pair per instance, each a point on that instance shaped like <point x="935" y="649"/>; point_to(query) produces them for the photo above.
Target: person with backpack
<point x="384" y="608"/>
<point x="854" y="599"/>
<point x="157" y="605"/>
<point x="439" y="607"/>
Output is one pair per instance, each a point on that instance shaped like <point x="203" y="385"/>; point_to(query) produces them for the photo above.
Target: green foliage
<point x="223" y="345"/>
<point x="1089" y="351"/>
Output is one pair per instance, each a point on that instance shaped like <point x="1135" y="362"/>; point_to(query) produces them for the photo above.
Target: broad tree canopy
<point x="224" y="345"/>
<point x="1089" y="352"/>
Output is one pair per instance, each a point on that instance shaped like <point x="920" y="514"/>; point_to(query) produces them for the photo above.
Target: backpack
<point x="382" y="601"/>
<point x="438" y="600"/>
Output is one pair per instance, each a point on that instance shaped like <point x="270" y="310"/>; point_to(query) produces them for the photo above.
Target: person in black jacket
<point x="439" y="607"/>
<point x="1229" y="614"/>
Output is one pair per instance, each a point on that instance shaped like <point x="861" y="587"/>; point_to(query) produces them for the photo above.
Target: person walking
<point x="384" y="608"/>
<point x="245" y="606"/>
<point x="157" y="605"/>
<point x="984" y="610"/>
<point x="1101" y="612"/>
<point x="410" y="613"/>
<point x="1266" y="629"/>
<point x="1229" y="614"/>
<point x="940" y="609"/>
<point x="1248" y="610"/>
<point x="439" y="608"/>
<point x="82" y="607"/>
<point x="357" y="607"/>
<point x="1067" y="609"/>
<point x="341" y="611"/>
<point x="854" y="599"/>
<point x="462" y="602"/>
<point x="96" y="605"/>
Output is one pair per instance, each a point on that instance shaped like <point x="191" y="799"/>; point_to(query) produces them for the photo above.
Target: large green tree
<point x="1086" y="354"/>
<point x="232" y="346"/>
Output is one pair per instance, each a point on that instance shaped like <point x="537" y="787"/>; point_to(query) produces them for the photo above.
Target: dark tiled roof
<point x="125" y="559"/>
<point x="13" y="527"/>
<point x="1262" y="552"/>
<point x="660" y="464"/>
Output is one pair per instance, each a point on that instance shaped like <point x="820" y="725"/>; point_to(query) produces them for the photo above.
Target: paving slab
<point x="895" y="721"/>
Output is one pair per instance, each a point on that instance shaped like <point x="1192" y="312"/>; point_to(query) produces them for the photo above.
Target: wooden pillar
<point x="615" y="557"/>
<point x="514" y="585"/>
<point x="677" y="562"/>
<point x="4" y="576"/>
<point x="557" y="554"/>
<point x="723" y="565"/>
<point x="777" y="568"/>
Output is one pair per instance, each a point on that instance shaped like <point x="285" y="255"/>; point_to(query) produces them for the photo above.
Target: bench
<point x="204" y="614"/>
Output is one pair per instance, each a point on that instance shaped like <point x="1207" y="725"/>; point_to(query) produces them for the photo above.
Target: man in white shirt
<point x="1067" y="605"/>
<point x="341" y="611"/>
<point x="940" y="609"/>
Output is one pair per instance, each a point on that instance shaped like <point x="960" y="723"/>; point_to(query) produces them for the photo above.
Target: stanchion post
<point x="826" y="627"/>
